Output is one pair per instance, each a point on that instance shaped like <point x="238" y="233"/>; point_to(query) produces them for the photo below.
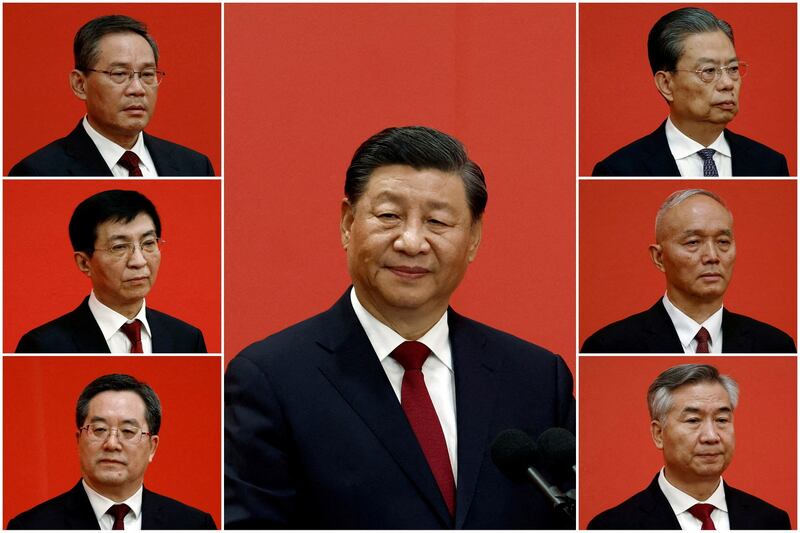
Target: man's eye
<point x="119" y="248"/>
<point x="388" y="216"/>
<point x="99" y="431"/>
<point x="148" y="74"/>
<point x="128" y="433"/>
<point x="149" y="245"/>
<point x="709" y="71"/>
<point x="119" y="74"/>
<point x="733" y="69"/>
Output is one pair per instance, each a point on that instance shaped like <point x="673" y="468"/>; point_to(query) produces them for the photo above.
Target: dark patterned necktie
<point x="702" y="511"/>
<point x="709" y="168"/>
<point x="134" y="333"/>
<point x="417" y="405"/>
<point x="118" y="511"/>
<point x="130" y="162"/>
<point x="702" y="338"/>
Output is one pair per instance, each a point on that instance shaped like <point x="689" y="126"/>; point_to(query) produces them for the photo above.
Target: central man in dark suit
<point x="116" y="238"/>
<point x="118" y="419"/>
<point x="696" y="250"/>
<point x="697" y="72"/>
<point x="379" y="413"/>
<point x="691" y="411"/>
<point x="116" y="74"/>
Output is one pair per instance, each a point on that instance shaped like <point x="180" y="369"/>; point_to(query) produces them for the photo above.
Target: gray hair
<point x="666" y="38"/>
<point x="679" y="196"/>
<point x="659" y="395"/>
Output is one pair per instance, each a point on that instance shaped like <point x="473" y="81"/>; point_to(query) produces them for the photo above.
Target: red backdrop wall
<point x="42" y="282"/>
<point x="323" y="78"/>
<point x="618" y="457"/>
<point x="617" y="224"/>
<point x="38" y="104"/>
<point x="618" y="99"/>
<point x="39" y="395"/>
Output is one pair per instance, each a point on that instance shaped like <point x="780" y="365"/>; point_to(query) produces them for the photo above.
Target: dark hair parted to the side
<point x="420" y="148"/>
<point x="665" y="42"/>
<point x="107" y="206"/>
<point x="121" y="382"/>
<point x="85" y="46"/>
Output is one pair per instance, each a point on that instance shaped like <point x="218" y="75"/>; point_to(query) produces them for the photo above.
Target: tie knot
<point x="702" y="511"/>
<point x="703" y="336"/>
<point x="411" y="354"/>
<point x="118" y="511"/>
<point x="132" y="330"/>
<point x="706" y="153"/>
<point x="130" y="161"/>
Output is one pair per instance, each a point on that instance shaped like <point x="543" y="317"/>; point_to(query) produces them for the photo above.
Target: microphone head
<point x="557" y="449"/>
<point x="513" y="451"/>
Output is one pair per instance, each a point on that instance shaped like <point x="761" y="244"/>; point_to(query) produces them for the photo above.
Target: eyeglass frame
<point x="717" y="71"/>
<point x="90" y="431"/>
<point x="131" y="75"/>
<point x="131" y="248"/>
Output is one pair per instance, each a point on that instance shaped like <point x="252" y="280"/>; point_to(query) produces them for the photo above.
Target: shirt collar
<point x="111" y="151"/>
<point x="687" y="328"/>
<point x="384" y="339"/>
<point x="110" y="321"/>
<point x="681" y="502"/>
<point x="100" y="503"/>
<point x="683" y="146"/>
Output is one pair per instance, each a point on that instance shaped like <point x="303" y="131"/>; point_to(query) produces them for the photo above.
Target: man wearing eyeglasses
<point x="116" y="74"/>
<point x="116" y="238"/>
<point x="696" y="70"/>
<point x="118" y="419"/>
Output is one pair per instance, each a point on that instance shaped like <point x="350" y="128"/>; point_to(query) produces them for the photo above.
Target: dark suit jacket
<point x="315" y="436"/>
<point x="78" y="332"/>
<point x="652" y="331"/>
<point x="650" y="156"/>
<point x="650" y="509"/>
<point x="77" y="155"/>
<point x="72" y="510"/>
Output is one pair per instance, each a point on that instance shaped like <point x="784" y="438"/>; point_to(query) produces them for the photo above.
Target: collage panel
<point x="173" y="265"/>
<point x="83" y="432"/>
<point x="628" y="263"/>
<point x="697" y="431"/>
<point x="47" y="89"/>
<point x="629" y="88"/>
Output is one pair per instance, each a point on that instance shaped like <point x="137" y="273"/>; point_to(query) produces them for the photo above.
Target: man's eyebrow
<point x="129" y="65"/>
<point x="394" y="197"/>
<point x="712" y="60"/>
<point x="127" y="236"/>
<point x="690" y="232"/>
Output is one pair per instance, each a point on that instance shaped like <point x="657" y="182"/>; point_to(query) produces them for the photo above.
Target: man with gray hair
<point x="691" y="411"/>
<point x="697" y="72"/>
<point x="696" y="250"/>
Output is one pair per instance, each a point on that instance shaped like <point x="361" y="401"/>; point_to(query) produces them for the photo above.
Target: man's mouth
<point x="726" y="104"/>
<point x="409" y="272"/>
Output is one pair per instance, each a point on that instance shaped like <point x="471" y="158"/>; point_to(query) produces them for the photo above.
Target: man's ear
<point x="657" y="432"/>
<point x="82" y="259"/>
<point x="475" y="234"/>
<point x="346" y="224"/>
<point x="77" y="81"/>
<point x="663" y="81"/>
<point x="657" y="256"/>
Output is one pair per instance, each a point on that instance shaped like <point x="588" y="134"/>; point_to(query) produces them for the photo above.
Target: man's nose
<point x="725" y="82"/>
<point x="112" y="444"/>
<point x="135" y="86"/>
<point x="137" y="258"/>
<point x="709" y="432"/>
<point x="710" y="253"/>
<point x="412" y="239"/>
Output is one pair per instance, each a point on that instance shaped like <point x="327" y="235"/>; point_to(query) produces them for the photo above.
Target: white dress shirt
<point x="686" y="328"/>
<point x="690" y="164"/>
<point x="111" y="152"/>
<point x="101" y="504"/>
<point x="110" y="321"/>
<point x="681" y="502"/>
<point x="437" y="368"/>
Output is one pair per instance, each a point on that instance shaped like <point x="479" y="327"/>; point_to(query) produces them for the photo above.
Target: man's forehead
<point x="701" y="395"/>
<point x="141" y="223"/>
<point x="117" y="45"/>
<point x="115" y="403"/>
<point x="694" y="44"/>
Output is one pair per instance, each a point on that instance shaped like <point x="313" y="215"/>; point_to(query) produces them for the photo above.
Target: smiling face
<point x="121" y="283"/>
<point x="118" y="111"/>
<point x="409" y="239"/>
<point x="697" y="438"/>
<point x="114" y="469"/>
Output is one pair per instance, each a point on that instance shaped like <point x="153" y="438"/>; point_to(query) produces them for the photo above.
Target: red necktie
<point x="130" y="161"/>
<point x="118" y="511"/>
<point x="702" y="340"/>
<point x="134" y="333"/>
<point x="417" y="405"/>
<point x="702" y="511"/>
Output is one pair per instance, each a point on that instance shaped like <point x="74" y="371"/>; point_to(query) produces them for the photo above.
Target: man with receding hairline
<point x="696" y="250"/>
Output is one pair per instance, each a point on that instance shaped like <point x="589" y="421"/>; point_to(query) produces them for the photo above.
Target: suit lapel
<point x="655" y="510"/>
<point x="735" y="337"/>
<point x="658" y="158"/>
<point x="152" y="517"/>
<point x="86" y="334"/>
<point x="740" y="159"/>
<point x="165" y="164"/>
<point x="162" y="342"/>
<point x="661" y="336"/>
<point x="87" y="160"/>
<point x="79" y="513"/>
<point x="356" y="373"/>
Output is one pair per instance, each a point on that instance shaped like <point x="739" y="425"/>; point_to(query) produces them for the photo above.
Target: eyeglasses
<point x="149" y="76"/>
<point x="126" y="249"/>
<point x="127" y="434"/>
<point x="735" y="72"/>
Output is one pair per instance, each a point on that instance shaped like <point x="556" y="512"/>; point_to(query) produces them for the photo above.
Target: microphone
<point x="514" y="453"/>
<point x="557" y="448"/>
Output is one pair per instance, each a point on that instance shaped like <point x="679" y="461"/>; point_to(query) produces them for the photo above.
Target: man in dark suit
<point x="696" y="251"/>
<point x="698" y="74"/>
<point x="116" y="238"/>
<point x="332" y="424"/>
<point x="118" y="419"/>
<point x="691" y="407"/>
<point x="116" y="74"/>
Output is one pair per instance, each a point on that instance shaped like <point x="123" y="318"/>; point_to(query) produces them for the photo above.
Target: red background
<point x="619" y="102"/>
<point x="618" y="457"/>
<point x="323" y="78"/>
<point x="617" y="224"/>
<point x="39" y="395"/>
<point x="39" y="106"/>
<point x="42" y="282"/>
